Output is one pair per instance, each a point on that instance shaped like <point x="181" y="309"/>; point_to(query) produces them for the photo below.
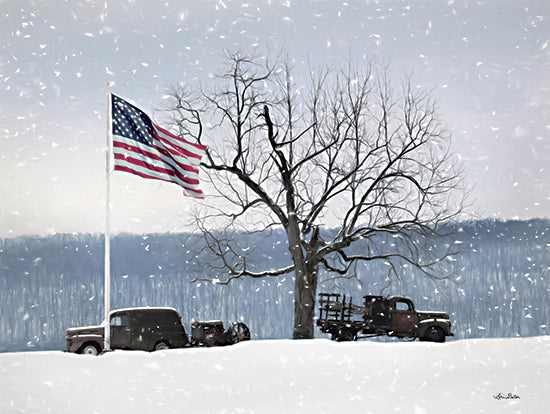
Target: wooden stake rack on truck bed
<point x="339" y="316"/>
<point x="332" y="308"/>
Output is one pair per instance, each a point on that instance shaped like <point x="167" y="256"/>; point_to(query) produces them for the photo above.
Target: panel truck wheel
<point x="90" y="348"/>
<point x="434" y="334"/>
<point x="161" y="346"/>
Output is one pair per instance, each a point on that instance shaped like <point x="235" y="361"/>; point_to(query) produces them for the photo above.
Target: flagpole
<point x="107" y="283"/>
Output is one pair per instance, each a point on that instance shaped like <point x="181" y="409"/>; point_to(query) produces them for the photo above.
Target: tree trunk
<point x="305" y="283"/>
<point x="305" y="289"/>
<point x="304" y="304"/>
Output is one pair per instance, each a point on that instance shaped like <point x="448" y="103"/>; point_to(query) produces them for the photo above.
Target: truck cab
<point x="402" y="315"/>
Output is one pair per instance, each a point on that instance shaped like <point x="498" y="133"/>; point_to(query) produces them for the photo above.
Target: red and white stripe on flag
<point x="143" y="148"/>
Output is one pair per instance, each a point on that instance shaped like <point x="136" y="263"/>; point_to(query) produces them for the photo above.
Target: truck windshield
<point x="120" y="320"/>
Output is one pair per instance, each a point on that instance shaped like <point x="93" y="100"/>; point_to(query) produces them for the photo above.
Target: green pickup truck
<point x="378" y="315"/>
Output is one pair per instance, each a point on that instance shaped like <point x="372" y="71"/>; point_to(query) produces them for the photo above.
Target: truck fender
<point x="424" y="325"/>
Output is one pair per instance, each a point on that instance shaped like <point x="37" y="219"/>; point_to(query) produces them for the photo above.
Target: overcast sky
<point x="487" y="62"/>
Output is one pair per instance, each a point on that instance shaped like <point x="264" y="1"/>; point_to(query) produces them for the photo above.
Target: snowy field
<point x="284" y="376"/>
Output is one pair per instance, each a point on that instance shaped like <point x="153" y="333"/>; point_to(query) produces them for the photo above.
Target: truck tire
<point x="161" y="346"/>
<point x="346" y="335"/>
<point x="434" y="334"/>
<point x="90" y="348"/>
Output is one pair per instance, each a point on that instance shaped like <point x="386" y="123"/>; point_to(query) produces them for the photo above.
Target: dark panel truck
<point x="152" y="329"/>
<point x="378" y="315"/>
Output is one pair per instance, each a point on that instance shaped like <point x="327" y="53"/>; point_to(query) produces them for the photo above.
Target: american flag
<point x="143" y="148"/>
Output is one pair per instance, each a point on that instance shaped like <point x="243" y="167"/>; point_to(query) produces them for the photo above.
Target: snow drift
<point x="284" y="376"/>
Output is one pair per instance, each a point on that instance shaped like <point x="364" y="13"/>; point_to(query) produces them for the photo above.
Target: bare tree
<point x="341" y="162"/>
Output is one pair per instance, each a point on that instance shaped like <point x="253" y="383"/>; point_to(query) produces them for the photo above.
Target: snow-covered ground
<point x="284" y="376"/>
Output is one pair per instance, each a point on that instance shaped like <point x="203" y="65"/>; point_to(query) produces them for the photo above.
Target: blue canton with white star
<point x="130" y="122"/>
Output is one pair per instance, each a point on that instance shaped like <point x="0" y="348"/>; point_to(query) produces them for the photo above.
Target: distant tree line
<point x="48" y="284"/>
